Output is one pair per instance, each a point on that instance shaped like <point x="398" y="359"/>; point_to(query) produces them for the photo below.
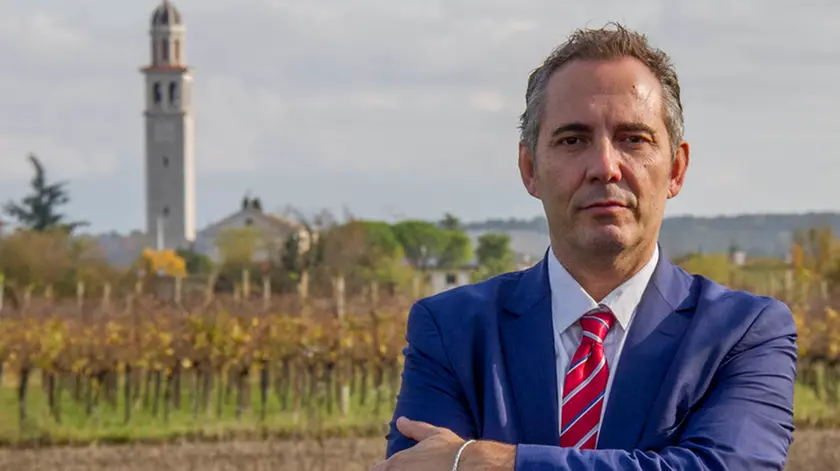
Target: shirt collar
<point x="569" y="301"/>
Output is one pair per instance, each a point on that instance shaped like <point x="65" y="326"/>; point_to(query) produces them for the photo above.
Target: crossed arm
<point x="744" y="423"/>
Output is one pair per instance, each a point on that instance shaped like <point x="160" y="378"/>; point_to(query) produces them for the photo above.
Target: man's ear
<point x="679" y="167"/>
<point x="528" y="169"/>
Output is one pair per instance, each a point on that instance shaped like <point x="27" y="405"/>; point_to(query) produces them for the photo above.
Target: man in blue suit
<point x="604" y="355"/>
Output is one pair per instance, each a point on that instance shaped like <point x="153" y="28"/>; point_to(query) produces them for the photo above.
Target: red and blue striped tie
<point x="586" y="383"/>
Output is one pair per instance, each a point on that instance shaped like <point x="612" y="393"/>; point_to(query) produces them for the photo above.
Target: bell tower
<point x="169" y="135"/>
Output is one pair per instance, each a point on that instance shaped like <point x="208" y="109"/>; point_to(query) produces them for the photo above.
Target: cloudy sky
<point x="405" y="108"/>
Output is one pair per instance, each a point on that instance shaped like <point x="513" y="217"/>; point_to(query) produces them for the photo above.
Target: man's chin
<point x="605" y="239"/>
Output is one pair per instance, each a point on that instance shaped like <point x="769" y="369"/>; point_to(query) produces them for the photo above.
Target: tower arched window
<point x="166" y="161"/>
<point x="166" y="211"/>
<point x="157" y="93"/>
<point x="164" y="50"/>
<point x="174" y="97"/>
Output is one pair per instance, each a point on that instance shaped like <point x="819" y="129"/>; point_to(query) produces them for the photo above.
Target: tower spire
<point x="170" y="163"/>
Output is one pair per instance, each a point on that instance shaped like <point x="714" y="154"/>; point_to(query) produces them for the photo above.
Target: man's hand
<point x="436" y="449"/>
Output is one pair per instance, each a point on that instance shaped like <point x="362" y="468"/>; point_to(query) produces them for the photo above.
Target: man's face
<point x="604" y="166"/>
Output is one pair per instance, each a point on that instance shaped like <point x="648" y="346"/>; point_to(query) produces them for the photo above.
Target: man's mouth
<point x="605" y="204"/>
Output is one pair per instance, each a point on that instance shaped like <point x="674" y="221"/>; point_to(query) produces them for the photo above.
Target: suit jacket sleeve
<point x="430" y="391"/>
<point x="744" y="423"/>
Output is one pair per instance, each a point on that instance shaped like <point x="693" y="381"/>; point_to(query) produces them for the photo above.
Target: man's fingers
<point x="416" y="430"/>
<point x="381" y="466"/>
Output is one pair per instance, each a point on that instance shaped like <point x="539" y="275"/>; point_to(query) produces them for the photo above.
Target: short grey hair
<point x="603" y="44"/>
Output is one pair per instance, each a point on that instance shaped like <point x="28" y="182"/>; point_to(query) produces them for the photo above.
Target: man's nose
<point x="604" y="161"/>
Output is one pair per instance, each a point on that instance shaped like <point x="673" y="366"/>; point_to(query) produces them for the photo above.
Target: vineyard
<point x="280" y="366"/>
<point x="284" y="366"/>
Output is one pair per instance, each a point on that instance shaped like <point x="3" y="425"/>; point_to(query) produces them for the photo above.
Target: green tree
<point x="450" y="222"/>
<point x="365" y="251"/>
<point x="381" y="238"/>
<point x="311" y="250"/>
<point x="196" y="263"/>
<point x="457" y="250"/>
<point x="290" y="257"/>
<point x="293" y="261"/>
<point x="345" y="248"/>
<point x="493" y="246"/>
<point x="384" y="261"/>
<point x="39" y="210"/>
<point x="422" y="241"/>
<point x="494" y="255"/>
<point x="38" y="259"/>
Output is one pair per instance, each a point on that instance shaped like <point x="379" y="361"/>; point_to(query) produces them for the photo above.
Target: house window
<point x="451" y="279"/>
<point x="249" y="221"/>
<point x="166" y="161"/>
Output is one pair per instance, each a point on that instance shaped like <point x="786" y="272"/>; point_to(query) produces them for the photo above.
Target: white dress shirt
<point x="569" y="302"/>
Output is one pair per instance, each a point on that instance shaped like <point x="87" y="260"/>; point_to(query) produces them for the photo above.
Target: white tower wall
<point x="169" y="135"/>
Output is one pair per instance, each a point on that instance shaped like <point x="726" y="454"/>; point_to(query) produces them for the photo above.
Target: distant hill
<point x="757" y="234"/>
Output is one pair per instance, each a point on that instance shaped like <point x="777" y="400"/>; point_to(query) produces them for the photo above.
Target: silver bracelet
<point x="458" y="455"/>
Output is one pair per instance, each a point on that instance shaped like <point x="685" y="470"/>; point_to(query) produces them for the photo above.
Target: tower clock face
<point x="163" y="132"/>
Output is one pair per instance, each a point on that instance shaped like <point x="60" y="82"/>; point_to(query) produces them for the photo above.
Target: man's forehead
<point x="615" y="74"/>
<point x="587" y="83"/>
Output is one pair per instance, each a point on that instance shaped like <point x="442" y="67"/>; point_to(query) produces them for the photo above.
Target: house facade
<point x="271" y="232"/>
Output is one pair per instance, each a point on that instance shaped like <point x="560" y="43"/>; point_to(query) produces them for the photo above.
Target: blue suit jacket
<point x="705" y="380"/>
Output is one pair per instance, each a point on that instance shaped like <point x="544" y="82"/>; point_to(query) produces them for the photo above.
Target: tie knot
<point x="597" y="323"/>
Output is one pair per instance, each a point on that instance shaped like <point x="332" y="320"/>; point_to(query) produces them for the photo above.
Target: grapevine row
<point x="155" y="356"/>
<point x="160" y="358"/>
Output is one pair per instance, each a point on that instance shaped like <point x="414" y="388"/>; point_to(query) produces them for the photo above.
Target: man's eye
<point x="569" y="141"/>
<point x="636" y="139"/>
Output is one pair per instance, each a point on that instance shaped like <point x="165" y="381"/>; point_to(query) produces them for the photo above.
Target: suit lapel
<point x="654" y="337"/>
<point x="527" y="336"/>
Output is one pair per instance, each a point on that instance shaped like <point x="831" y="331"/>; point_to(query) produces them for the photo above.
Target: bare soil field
<point x="812" y="450"/>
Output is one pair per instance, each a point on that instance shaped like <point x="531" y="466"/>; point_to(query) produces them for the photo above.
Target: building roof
<point x="165" y="15"/>
<point x="271" y="220"/>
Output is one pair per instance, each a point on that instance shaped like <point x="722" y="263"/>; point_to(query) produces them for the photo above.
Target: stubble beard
<point x="601" y="245"/>
<point x="595" y="247"/>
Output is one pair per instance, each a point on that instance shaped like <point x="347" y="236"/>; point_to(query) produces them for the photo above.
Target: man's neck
<point x="600" y="275"/>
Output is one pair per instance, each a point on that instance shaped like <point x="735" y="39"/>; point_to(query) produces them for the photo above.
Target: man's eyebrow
<point x="587" y="129"/>
<point x="572" y="127"/>
<point x="635" y="127"/>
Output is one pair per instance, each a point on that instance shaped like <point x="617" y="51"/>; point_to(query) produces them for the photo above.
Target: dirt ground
<point x="812" y="450"/>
